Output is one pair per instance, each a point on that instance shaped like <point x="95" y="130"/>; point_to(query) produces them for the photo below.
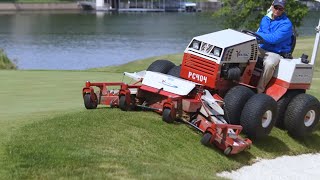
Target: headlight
<point x="216" y="51"/>
<point x="195" y="44"/>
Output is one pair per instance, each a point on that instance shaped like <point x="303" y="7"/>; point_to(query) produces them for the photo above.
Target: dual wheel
<point x="254" y="112"/>
<point x="296" y="112"/>
<point x="165" y="67"/>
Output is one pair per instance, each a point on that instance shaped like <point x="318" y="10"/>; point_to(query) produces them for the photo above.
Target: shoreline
<point x="39" y="6"/>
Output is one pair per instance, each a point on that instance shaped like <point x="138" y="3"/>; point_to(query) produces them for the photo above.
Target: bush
<point x="5" y="62"/>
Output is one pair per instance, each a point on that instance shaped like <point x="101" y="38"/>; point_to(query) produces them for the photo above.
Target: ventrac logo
<point x="241" y="54"/>
<point x="169" y="82"/>
<point x="197" y="77"/>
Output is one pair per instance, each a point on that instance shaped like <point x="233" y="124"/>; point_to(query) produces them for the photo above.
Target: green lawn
<point x="46" y="133"/>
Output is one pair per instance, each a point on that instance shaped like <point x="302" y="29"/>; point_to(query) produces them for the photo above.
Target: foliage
<point x="248" y="13"/>
<point x="5" y="62"/>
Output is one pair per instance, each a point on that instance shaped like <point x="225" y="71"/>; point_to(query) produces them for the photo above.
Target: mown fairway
<point x="46" y="133"/>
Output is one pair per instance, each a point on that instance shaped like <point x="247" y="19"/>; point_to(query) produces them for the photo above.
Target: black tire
<point x="205" y="140"/>
<point x="302" y="115"/>
<point x="162" y="66"/>
<point x="258" y="116"/>
<point x="175" y="71"/>
<point x="166" y="116"/>
<point x="234" y="100"/>
<point x="282" y="107"/>
<point x="89" y="103"/>
<point x="122" y="103"/>
<point x="228" y="150"/>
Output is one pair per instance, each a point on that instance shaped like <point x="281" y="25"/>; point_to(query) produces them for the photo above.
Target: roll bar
<point x="316" y="45"/>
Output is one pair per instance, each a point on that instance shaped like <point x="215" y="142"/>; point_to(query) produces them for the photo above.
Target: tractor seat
<point x="285" y="55"/>
<point x="293" y="45"/>
<point x="259" y="65"/>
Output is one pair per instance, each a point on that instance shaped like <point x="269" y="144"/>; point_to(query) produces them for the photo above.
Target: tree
<point x="246" y="14"/>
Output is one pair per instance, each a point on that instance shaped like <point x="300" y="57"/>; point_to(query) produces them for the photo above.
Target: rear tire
<point x="282" y="107"/>
<point x="302" y="115"/>
<point x="258" y="116"/>
<point x="162" y="66"/>
<point x="175" y="71"/>
<point x="235" y="100"/>
<point x="89" y="103"/>
<point x="166" y="116"/>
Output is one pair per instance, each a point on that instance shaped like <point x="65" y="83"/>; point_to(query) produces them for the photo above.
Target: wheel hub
<point x="309" y="118"/>
<point x="266" y="119"/>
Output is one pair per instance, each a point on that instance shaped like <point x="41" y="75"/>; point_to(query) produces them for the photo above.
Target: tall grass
<point x="5" y="62"/>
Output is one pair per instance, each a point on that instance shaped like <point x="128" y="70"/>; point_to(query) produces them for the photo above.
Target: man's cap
<point x="279" y="3"/>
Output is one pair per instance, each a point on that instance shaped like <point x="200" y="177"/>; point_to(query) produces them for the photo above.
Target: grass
<point x="46" y="133"/>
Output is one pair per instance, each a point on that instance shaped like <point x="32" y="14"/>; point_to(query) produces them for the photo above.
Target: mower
<point x="214" y="91"/>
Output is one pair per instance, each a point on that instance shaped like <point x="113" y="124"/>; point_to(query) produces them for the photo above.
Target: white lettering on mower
<point x="197" y="77"/>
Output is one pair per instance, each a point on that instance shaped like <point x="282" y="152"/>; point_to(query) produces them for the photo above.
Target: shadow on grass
<point x="272" y="145"/>
<point x="243" y="157"/>
<point x="311" y="141"/>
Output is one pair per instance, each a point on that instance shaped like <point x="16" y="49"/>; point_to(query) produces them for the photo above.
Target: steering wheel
<point x="259" y="38"/>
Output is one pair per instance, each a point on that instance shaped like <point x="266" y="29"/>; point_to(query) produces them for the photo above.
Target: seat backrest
<point x="293" y="44"/>
<point x="293" y="39"/>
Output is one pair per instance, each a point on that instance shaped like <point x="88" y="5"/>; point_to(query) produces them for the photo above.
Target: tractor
<point x="214" y="91"/>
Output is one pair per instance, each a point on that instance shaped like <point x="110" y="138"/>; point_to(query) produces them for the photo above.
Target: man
<point x="276" y="30"/>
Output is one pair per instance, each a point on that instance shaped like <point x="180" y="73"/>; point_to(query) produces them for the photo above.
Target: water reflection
<point x="80" y="40"/>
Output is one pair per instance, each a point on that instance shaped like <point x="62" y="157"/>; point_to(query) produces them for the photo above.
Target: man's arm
<point x="264" y="25"/>
<point x="283" y="32"/>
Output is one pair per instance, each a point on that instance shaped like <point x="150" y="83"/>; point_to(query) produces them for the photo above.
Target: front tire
<point x="167" y="116"/>
<point x="235" y="100"/>
<point x="227" y="151"/>
<point x="123" y="105"/>
<point x="302" y="115"/>
<point x="258" y="116"/>
<point x="205" y="140"/>
<point x="90" y="103"/>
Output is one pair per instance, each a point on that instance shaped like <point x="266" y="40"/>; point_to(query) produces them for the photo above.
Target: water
<point x="80" y="40"/>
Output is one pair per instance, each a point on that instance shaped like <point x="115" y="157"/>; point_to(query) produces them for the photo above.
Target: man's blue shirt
<point x="276" y="33"/>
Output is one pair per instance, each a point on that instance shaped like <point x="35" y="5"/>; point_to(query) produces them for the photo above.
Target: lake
<point x="82" y="40"/>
